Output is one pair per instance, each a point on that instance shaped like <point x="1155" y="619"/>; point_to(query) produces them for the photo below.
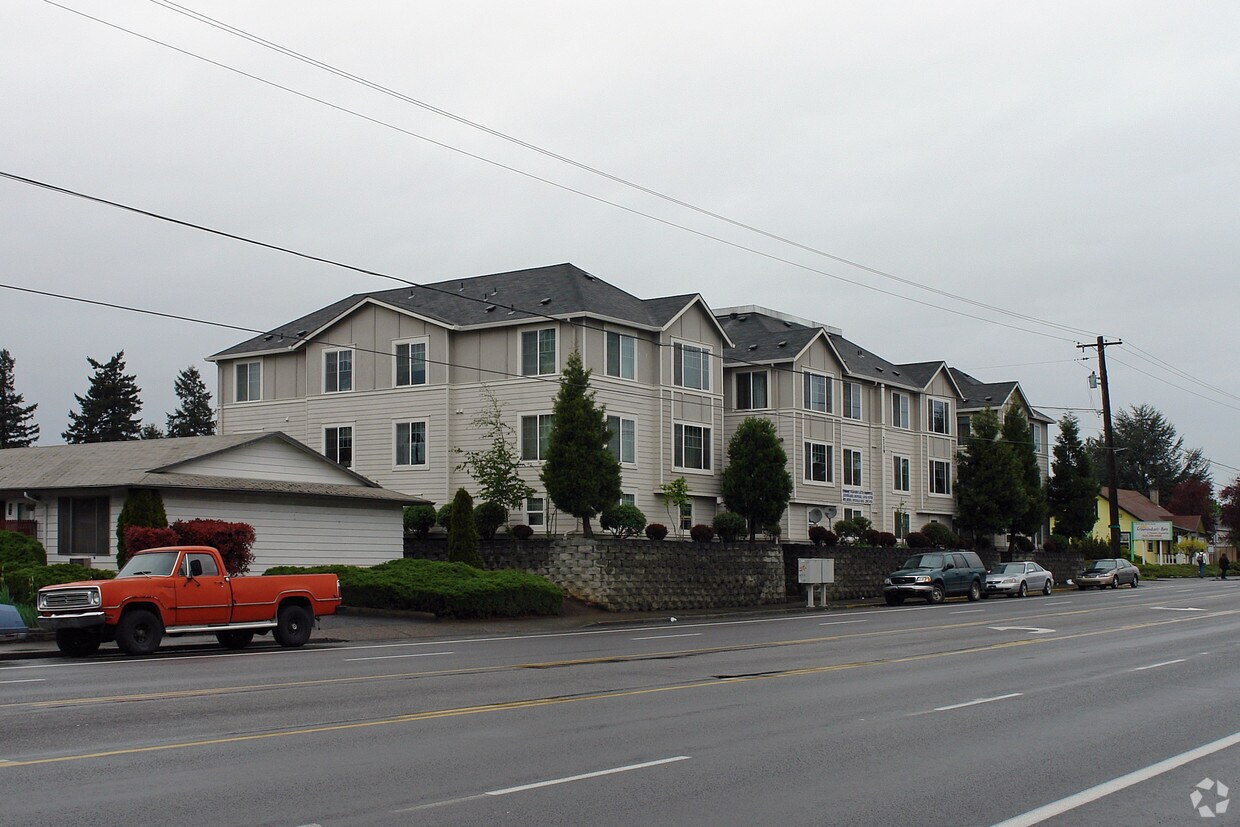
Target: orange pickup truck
<point x="183" y="590"/>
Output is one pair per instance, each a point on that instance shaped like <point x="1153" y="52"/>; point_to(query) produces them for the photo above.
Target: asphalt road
<point x="1081" y="708"/>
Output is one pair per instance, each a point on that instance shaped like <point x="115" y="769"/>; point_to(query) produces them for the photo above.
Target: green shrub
<point x="463" y="531"/>
<point x="488" y="517"/>
<point x="1090" y="547"/>
<point x="730" y="526"/>
<point x="419" y="519"/>
<point x="443" y="589"/>
<point x="443" y="517"/>
<point x="20" y="549"/>
<point x="773" y="531"/>
<point x="23" y="582"/>
<point x="623" y="520"/>
<point x="939" y="535"/>
<point x="142" y="508"/>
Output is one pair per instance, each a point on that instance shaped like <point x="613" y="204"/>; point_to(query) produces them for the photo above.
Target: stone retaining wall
<point x="638" y="575"/>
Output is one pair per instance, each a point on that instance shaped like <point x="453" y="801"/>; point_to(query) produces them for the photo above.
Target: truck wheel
<point x="78" y="643"/>
<point x="139" y="632"/>
<point x="936" y="594"/>
<point x="235" y="639"/>
<point x="292" y="625"/>
<point x="975" y="591"/>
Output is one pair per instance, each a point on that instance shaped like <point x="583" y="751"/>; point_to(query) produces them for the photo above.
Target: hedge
<point x="23" y="582"/>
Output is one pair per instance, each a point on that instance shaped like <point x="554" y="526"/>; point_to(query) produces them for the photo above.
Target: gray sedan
<point x="1111" y="572"/>
<point x="1018" y="579"/>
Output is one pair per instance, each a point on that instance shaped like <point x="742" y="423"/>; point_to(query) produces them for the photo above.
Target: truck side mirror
<point x="195" y="568"/>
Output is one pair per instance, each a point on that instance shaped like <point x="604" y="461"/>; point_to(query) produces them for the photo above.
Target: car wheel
<point x="893" y="599"/>
<point x="293" y="625"/>
<point x="1136" y="578"/>
<point x="1115" y="582"/>
<point x="139" y="632"/>
<point x="235" y="638"/>
<point x="936" y="594"/>
<point x="975" y="591"/>
<point x="1024" y="589"/>
<point x="1047" y="586"/>
<point x="78" y="643"/>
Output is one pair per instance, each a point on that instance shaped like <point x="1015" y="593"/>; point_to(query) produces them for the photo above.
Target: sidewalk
<point x="373" y="626"/>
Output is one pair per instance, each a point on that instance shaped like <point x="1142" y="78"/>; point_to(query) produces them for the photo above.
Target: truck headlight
<point x="922" y="578"/>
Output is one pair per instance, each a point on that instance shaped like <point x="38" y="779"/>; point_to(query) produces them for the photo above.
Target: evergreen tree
<point x="581" y="474"/>
<point x="495" y="468"/>
<point x="989" y="491"/>
<point x="462" y="531"/>
<point x="1018" y="439"/>
<point x="150" y="431"/>
<point x="1149" y="456"/>
<point x="195" y="416"/>
<point x="1072" y="491"/>
<point x="109" y="411"/>
<point x="142" y="508"/>
<point x="756" y="482"/>
<point x="17" y="426"/>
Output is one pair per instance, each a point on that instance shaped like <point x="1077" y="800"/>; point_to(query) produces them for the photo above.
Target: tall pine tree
<point x="194" y="417"/>
<point x="1072" y="491"/>
<point x="109" y="411"/>
<point x="756" y="483"/>
<point x="17" y="426"/>
<point x="581" y="474"/>
<point x="989" y="491"/>
<point x="1018" y="439"/>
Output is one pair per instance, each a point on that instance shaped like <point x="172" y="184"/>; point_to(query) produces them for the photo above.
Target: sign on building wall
<point x="1153" y="531"/>
<point x="853" y="497"/>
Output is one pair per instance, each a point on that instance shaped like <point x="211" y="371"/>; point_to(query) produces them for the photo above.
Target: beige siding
<point x="267" y="461"/>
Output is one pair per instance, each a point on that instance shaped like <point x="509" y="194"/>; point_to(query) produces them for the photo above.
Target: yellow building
<point x="1137" y="508"/>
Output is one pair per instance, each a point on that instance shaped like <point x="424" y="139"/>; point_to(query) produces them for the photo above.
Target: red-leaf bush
<point x="702" y="533"/>
<point x="656" y="531"/>
<point x="232" y="540"/>
<point x="140" y="537"/>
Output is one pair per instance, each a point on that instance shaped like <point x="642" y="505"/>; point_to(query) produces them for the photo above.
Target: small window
<point x="940" y="417"/>
<point x="962" y="428"/>
<point x="1036" y="430"/>
<point x="337" y="371"/>
<point x="623" y="439"/>
<point x="410" y="364"/>
<point x="852" y="467"/>
<point x="940" y="477"/>
<point x="249" y="381"/>
<point x="900" y="476"/>
<point x="899" y="410"/>
<point x="691" y="366"/>
<point x="338" y="444"/>
<point x="538" y="352"/>
<point x="410" y="443"/>
<point x="536" y="436"/>
<point x="853" y="513"/>
<point x="751" y="390"/>
<point x="621" y="355"/>
<point x="817" y="392"/>
<point x="535" y="511"/>
<point x="852" y="400"/>
<point x="692" y="446"/>
<point x="818" y="462"/>
<point x="628" y="499"/>
<point x="686" y="516"/>
<point x="901" y="521"/>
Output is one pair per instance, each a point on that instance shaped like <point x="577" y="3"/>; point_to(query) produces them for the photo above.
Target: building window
<point x="338" y="444"/>
<point x="692" y="447"/>
<point x="535" y="511"/>
<point x="623" y="439"/>
<point x="1036" y="430"/>
<point x="852" y="467"/>
<point x="751" y="391"/>
<point x="628" y="499"/>
<point x="962" y="428"/>
<point x="852" y="400"/>
<point x="691" y="368"/>
<point x="817" y="392"/>
<point x="901" y="520"/>
<point x="818" y="462"/>
<point x="940" y="477"/>
<point x="84" y="526"/>
<point x="337" y="371"/>
<point x="538" y="352"/>
<point x="536" y="436"/>
<point x="410" y="363"/>
<point x="853" y="513"/>
<point x="900" y="476"/>
<point x="249" y="381"/>
<point x="410" y="443"/>
<point x="899" y="410"/>
<point x="940" y="416"/>
<point x="686" y="516"/>
<point x="621" y="355"/>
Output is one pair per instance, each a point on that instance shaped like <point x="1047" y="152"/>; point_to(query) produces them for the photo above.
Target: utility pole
<point x="1108" y="435"/>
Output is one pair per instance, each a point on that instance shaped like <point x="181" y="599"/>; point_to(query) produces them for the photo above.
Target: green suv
<point x="936" y="575"/>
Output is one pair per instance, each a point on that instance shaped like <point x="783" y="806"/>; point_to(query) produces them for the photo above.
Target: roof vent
<point x="781" y="344"/>
<point x="733" y="314"/>
<point x="859" y="352"/>
<point x="787" y="323"/>
<point x="753" y="347"/>
<point x="267" y="338"/>
<point x="877" y="368"/>
<point x="301" y="333"/>
<point x="895" y="373"/>
<point x="546" y="300"/>
<point x="462" y="287"/>
<point x="490" y="307"/>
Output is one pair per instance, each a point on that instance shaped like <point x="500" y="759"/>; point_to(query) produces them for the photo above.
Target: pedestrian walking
<point x="1223" y="564"/>
<point x="1201" y="564"/>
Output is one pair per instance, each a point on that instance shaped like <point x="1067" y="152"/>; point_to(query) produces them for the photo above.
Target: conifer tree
<point x="17" y="426"/>
<point x="194" y="417"/>
<point x="463" y="532"/>
<point x="1018" y="439"/>
<point x="109" y="411"/>
<point x="988" y="485"/>
<point x="1072" y="491"/>
<point x="581" y="474"/>
<point x="756" y="482"/>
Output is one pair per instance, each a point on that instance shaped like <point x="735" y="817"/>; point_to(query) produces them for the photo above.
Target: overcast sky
<point x="1077" y="164"/>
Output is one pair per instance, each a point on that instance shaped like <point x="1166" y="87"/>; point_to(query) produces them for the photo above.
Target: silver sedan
<point x="1018" y="579"/>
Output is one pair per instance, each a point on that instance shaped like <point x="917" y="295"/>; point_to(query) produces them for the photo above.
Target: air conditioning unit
<point x="84" y="562"/>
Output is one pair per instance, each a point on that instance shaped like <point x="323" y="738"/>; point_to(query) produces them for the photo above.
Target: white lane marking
<point x="977" y="701"/>
<point x="390" y="657"/>
<point x="841" y="622"/>
<point x="966" y="611"/>
<point x="1058" y="603"/>
<point x="663" y="637"/>
<point x="1175" y="609"/>
<point x="1156" y="665"/>
<point x="26" y="680"/>
<point x="1033" y="630"/>
<point x="548" y="783"/>
<point x="1063" y="805"/>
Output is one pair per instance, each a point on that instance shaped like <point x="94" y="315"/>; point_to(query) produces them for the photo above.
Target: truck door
<point x="204" y="597"/>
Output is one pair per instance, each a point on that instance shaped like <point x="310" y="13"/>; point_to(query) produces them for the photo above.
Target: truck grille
<point x="67" y="599"/>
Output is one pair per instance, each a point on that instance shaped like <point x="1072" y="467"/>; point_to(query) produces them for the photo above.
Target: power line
<point x="1177" y="387"/>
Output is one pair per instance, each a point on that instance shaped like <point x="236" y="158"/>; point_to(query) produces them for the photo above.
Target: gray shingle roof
<point x="864" y="363"/>
<point x="757" y="337"/>
<point x="978" y="395"/>
<point x="539" y="292"/>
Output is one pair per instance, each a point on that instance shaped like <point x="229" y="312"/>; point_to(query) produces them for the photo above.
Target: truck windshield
<point x="157" y="562"/>
<point x="924" y="561"/>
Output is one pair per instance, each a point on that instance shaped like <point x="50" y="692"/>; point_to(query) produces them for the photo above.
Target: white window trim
<point x="947" y="416"/>
<point x="709" y="355"/>
<point x="414" y="340"/>
<point x="413" y="466"/>
<point x="528" y="511"/>
<point x="829" y="392"/>
<point x="908" y="410"/>
<point x="735" y="384"/>
<point x="846" y="411"/>
<point x="623" y="418"/>
<point x="844" y="452"/>
<point x="521" y="436"/>
<point x="631" y="494"/>
<point x="521" y="350"/>
<point x="830" y="480"/>
<point x="708" y="448"/>
<point x="620" y="361"/>
<point x="682" y="517"/>
<point x="352" y="426"/>
<point x="895" y="479"/>
<point x="250" y="363"/>
<point x="352" y="369"/>
<point x="930" y="479"/>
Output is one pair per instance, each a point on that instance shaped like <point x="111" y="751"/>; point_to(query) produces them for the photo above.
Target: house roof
<point x="864" y="363"/>
<point x="978" y="394"/>
<point x="152" y="463"/>
<point x="1190" y="523"/>
<point x="1138" y="505"/>
<point x="518" y="296"/>
<point x="758" y="337"/>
